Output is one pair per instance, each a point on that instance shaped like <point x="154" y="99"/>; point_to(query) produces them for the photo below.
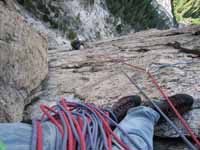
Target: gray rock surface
<point x="89" y="75"/>
<point x="23" y="63"/>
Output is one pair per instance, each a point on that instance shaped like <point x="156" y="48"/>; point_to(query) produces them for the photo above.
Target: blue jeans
<point x="138" y="123"/>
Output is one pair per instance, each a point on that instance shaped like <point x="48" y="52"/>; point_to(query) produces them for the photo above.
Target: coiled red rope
<point x="70" y="120"/>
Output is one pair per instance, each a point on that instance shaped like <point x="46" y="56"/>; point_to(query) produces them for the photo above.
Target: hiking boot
<point x="121" y="107"/>
<point x="182" y="103"/>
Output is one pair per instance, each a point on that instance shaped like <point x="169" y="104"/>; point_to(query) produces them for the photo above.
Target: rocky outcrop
<point x="23" y="62"/>
<point x="91" y="76"/>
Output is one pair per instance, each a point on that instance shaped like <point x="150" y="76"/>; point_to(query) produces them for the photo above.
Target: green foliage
<point x="187" y="11"/>
<point x="74" y="44"/>
<point x="140" y="14"/>
<point x="54" y="24"/>
<point x="72" y="35"/>
<point x="28" y="4"/>
<point x="45" y="18"/>
<point x="119" y="28"/>
<point x="42" y="9"/>
<point x="67" y="26"/>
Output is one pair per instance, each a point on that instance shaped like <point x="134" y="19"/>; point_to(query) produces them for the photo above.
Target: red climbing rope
<point x="39" y="136"/>
<point x="71" y="140"/>
<point x="108" y="130"/>
<point x="45" y="110"/>
<point x="70" y="120"/>
<point x="155" y="82"/>
<point x="69" y="131"/>
<point x="184" y="123"/>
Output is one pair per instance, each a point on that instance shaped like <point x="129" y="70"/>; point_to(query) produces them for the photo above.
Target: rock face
<point x="62" y="20"/>
<point x="99" y="19"/>
<point x="91" y="76"/>
<point x="23" y="63"/>
<point x="90" y="19"/>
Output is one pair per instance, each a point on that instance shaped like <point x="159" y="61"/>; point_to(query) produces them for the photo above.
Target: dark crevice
<point x="4" y="1"/>
<point x="174" y="33"/>
<point x="142" y="50"/>
<point x="196" y="33"/>
<point x="82" y="65"/>
<point x="178" y="46"/>
<point x="33" y="101"/>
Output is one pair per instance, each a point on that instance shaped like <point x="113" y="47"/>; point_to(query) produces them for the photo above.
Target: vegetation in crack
<point x="139" y="14"/>
<point x="47" y="11"/>
<point x="187" y="11"/>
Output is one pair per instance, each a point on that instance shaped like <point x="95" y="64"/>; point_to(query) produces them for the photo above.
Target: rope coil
<point x="81" y="126"/>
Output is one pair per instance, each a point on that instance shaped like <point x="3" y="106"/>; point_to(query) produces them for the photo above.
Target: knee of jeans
<point x="49" y="135"/>
<point x="138" y="141"/>
<point x="145" y="111"/>
<point x="152" y="113"/>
